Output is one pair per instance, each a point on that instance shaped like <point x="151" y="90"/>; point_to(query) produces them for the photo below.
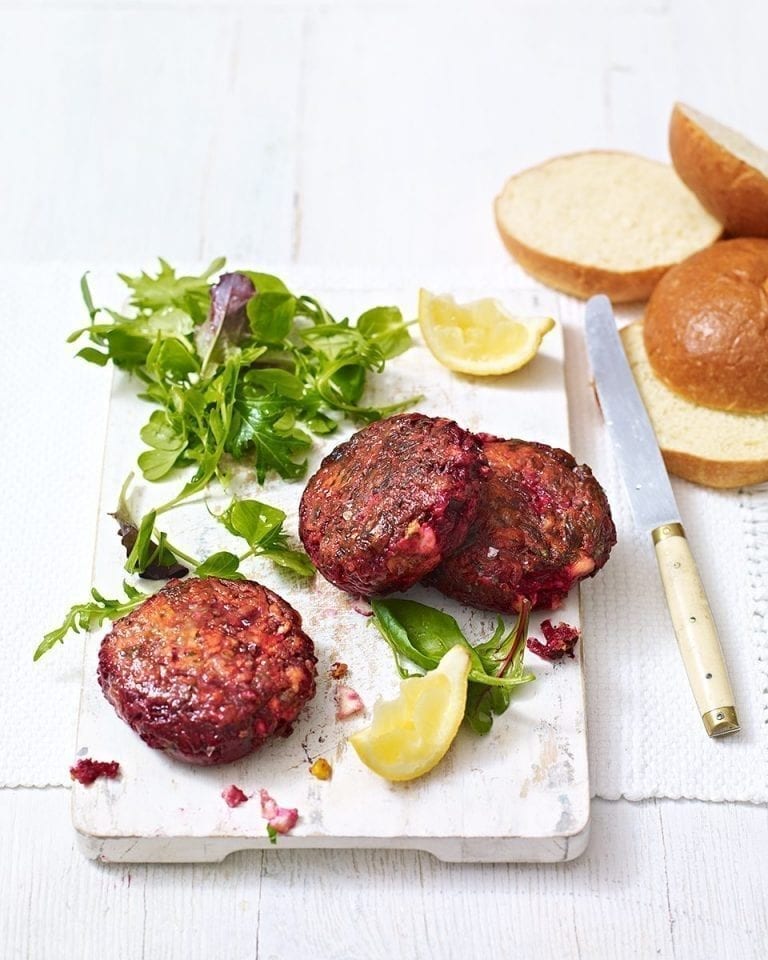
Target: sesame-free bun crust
<point x="727" y="172"/>
<point x="714" y="448"/>
<point x="706" y="327"/>
<point x="601" y="222"/>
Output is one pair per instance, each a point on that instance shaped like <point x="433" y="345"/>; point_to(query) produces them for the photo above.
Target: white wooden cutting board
<point x="519" y="793"/>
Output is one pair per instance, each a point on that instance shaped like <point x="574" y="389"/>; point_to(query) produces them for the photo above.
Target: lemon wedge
<point x="480" y="337"/>
<point x="411" y="735"/>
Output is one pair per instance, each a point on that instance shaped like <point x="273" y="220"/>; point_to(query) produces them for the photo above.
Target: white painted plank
<point x="717" y="879"/>
<point x="55" y="904"/>
<point x="170" y="132"/>
<point x="451" y="911"/>
<point x="640" y="79"/>
<point x="637" y="891"/>
<point x="719" y="61"/>
<point x="403" y="5"/>
<point x="414" y="123"/>
<point x="706" y="55"/>
<point x="249" y="174"/>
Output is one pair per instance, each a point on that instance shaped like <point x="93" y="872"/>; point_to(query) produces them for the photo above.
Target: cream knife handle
<point x="695" y="630"/>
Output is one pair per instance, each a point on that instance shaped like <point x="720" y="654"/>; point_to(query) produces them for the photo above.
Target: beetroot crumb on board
<point x="86" y="771"/>
<point x="348" y="702"/>
<point x="559" y="641"/>
<point x="338" y="670"/>
<point x="233" y="796"/>
<point x="360" y="605"/>
<point x="279" y="819"/>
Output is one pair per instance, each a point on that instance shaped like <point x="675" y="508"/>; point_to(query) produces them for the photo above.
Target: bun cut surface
<point x="602" y="222"/>
<point x="715" y="448"/>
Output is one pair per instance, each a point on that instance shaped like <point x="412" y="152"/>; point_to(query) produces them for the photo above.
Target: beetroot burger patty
<point x="544" y="524"/>
<point x="389" y="504"/>
<point x="208" y="669"/>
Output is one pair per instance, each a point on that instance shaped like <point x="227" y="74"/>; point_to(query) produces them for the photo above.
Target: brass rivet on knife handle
<point x="668" y="530"/>
<point x="695" y="630"/>
<point x="721" y="721"/>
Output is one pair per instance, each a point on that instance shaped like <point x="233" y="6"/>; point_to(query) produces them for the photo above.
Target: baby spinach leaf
<point x="92" y="355"/>
<point x="255" y="522"/>
<point x="293" y="560"/>
<point x="266" y="282"/>
<point x="271" y="316"/>
<point x="156" y="464"/>
<point x="384" y="326"/>
<point x="261" y="526"/>
<point x="274" y="381"/>
<point x="222" y="564"/>
<point x="127" y="350"/>
<point x="420" y="635"/>
<point x="171" y="359"/>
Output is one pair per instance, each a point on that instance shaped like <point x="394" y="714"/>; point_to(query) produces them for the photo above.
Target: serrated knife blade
<point x="655" y="511"/>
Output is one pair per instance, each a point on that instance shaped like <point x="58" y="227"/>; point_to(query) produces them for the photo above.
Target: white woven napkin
<point x="51" y="441"/>
<point x="645" y="737"/>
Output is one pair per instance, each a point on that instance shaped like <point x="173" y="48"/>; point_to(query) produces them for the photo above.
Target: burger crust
<point x="544" y="524"/>
<point x="389" y="504"/>
<point x="208" y="670"/>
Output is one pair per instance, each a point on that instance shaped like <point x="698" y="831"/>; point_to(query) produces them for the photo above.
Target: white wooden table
<point x="362" y="134"/>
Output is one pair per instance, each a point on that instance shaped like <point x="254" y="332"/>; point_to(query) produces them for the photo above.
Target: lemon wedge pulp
<point x="410" y="735"/>
<point x="480" y="337"/>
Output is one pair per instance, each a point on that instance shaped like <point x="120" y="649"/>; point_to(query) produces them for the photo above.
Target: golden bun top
<point x="706" y="326"/>
<point x="727" y="172"/>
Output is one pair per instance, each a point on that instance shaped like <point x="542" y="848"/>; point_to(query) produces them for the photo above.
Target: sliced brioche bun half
<point x="706" y="326"/>
<point x="714" y="448"/>
<point x="602" y="222"/>
<point x="727" y="172"/>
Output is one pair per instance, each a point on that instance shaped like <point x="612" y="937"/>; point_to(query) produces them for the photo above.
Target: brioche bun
<point x="706" y="327"/>
<point x="602" y="222"/>
<point x="727" y="173"/>
<point x="715" y="448"/>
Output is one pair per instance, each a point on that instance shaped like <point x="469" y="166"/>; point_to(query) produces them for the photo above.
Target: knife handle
<point x="695" y="630"/>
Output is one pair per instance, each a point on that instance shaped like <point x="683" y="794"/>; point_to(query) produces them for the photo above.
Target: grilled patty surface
<point x="393" y="501"/>
<point x="207" y="669"/>
<point x="544" y="523"/>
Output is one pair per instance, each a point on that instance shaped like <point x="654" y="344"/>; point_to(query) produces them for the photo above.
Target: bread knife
<point x="654" y="509"/>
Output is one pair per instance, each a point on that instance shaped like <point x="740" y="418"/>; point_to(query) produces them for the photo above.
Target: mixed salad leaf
<point x="239" y="370"/>
<point x="154" y="557"/>
<point x="88" y="616"/>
